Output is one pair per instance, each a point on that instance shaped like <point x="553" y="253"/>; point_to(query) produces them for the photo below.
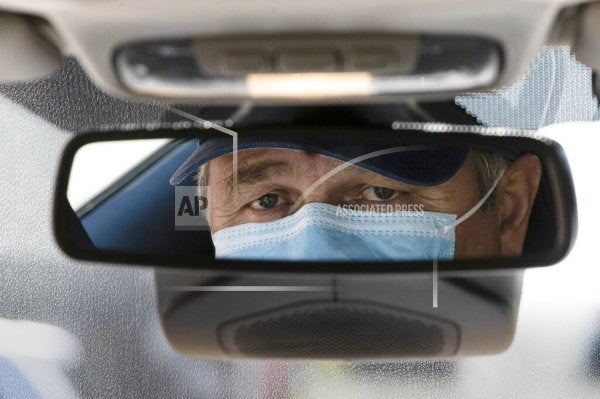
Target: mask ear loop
<point x="446" y="229"/>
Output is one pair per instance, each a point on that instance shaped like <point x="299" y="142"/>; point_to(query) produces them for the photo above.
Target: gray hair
<point x="202" y="180"/>
<point x="488" y="167"/>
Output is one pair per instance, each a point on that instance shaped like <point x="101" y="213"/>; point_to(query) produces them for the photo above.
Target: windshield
<point x="73" y="329"/>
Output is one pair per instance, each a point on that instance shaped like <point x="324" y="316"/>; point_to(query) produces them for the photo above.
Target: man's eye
<point x="375" y="193"/>
<point x="267" y="201"/>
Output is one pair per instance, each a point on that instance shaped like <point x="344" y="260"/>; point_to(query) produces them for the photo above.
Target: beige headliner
<point x="92" y="29"/>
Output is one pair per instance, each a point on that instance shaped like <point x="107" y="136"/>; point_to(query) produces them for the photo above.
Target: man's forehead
<point x="249" y="157"/>
<point x="256" y="165"/>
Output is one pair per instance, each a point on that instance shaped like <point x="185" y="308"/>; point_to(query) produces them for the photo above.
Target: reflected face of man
<point x="274" y="183"/>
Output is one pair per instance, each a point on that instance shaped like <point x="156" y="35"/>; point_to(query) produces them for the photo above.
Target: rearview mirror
<point x="328" y="199"/>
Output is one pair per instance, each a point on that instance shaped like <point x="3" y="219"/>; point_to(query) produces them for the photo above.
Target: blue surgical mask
<point x="323" y="232"/>
<point x="326" y="232"/>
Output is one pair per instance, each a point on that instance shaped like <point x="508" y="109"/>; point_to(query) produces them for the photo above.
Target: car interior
<point x="108" y="296"/>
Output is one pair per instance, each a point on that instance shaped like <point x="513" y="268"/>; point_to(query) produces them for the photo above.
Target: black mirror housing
<point x="550" y="233"/>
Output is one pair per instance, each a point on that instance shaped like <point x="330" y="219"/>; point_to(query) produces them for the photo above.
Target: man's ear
<point x="516" y="192"/>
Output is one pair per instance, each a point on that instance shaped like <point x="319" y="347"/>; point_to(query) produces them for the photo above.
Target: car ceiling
<point x="92" y="30"/>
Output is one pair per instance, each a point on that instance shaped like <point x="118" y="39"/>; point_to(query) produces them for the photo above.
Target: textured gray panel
<point x="557" y="88"/>
<point x="69" y="100"/>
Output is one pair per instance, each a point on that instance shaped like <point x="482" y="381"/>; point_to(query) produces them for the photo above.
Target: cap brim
<point x="414" y="165"/>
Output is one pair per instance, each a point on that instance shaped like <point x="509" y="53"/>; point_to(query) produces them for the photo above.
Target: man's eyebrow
<point x="254" y="172"/>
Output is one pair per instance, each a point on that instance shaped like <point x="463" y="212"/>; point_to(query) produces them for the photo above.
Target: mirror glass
<point x="317" y="195"/>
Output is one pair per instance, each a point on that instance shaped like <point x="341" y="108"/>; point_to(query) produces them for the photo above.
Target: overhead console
<point x="308" y="66"/>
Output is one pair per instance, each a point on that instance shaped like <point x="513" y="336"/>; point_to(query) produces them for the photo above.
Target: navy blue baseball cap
<point x="417" y="165"/>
